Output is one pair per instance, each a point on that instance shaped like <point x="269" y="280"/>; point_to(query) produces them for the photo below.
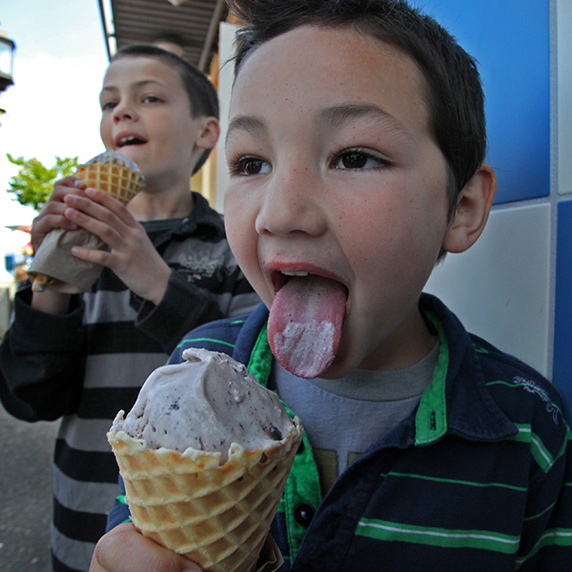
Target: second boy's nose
<point x="123" y="110"/>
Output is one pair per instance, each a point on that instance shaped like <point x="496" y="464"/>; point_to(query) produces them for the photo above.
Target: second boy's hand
<point x="132" y="256"/>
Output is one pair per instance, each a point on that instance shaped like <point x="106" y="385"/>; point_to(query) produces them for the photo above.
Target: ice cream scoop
<point x="207" y="402"/>
<point x="205" y="453"/>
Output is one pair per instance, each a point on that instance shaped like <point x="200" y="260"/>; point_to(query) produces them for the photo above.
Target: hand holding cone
<point x="53" y="266"/>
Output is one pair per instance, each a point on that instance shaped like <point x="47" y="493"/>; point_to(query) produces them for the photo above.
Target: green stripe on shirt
<point x="537" y="448"/>
<point x="196" y="340"/>
<point x="454" y="481"/>
<point x="551" y="537"/>
<point x="399" y="532"/>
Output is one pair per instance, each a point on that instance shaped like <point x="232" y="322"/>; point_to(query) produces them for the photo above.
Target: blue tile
<point x="562" y="367"/>
<point x="510" y="40"/>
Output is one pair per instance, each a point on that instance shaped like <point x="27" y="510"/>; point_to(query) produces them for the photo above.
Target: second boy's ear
<point x="209" y="132"/>
<point x="472" y="212"/>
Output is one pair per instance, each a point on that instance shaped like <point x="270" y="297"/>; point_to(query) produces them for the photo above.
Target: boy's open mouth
<point x="305" y="323"/>
<point x="130" y="140"/>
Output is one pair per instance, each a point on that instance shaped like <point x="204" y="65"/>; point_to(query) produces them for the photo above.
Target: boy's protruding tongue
<point x="305" y="324"/>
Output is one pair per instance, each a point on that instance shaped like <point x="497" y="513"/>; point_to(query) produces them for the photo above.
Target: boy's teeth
<point x="127" y="140"/>
<point x="296" y="273"/>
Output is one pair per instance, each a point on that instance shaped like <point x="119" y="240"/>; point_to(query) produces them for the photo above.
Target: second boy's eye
<point x="358" y="159"/>
<point x="151" y="99"/>
<point x="250" y="166"/>
<point x="108" y="105"/>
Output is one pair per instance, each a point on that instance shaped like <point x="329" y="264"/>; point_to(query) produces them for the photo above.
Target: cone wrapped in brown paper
<point x="215" y="513"/>
<point x="54" y="267"/>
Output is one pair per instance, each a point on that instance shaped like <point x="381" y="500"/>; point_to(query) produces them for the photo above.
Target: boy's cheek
<point x="244" y="242"/>
<point x="245" y="251"/>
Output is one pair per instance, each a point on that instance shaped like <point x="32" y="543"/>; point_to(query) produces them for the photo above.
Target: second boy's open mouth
<point x="129" y="140"/>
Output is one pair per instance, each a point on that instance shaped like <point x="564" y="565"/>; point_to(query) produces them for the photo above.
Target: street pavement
<point x="25" y="494"/>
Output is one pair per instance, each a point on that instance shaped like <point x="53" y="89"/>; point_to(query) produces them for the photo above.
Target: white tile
<point x="227" y="34"/>
<point x="500" y="287"/>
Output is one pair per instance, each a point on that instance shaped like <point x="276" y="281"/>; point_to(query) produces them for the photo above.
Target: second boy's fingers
<point x="103" y="208"/>
<point x="49" y="219"/>
<point x="110" y="203"/>
<point x="109" y="213"/>
<point x="65" y="186"/>
<point x="105" y="229"/>
<point x="70" y="181"/>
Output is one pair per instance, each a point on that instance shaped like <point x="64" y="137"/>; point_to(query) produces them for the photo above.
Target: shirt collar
<point x="457" y="400"/>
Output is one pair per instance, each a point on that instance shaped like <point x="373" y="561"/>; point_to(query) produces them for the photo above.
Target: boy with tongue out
<point x="356" y="144"/>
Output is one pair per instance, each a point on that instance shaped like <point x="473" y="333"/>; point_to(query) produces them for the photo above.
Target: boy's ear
<point x="472" y="212"/>
<point x="208" y="133"/>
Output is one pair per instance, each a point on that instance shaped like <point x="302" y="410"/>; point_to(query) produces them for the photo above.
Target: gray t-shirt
<point x="344" y="417"/>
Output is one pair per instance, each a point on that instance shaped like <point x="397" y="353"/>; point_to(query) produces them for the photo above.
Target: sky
<point x="52" y="109"/>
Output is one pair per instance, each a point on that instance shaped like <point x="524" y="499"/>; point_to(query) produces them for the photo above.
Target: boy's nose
<point x="291" y="204"/>
<point x="123" y="110"/>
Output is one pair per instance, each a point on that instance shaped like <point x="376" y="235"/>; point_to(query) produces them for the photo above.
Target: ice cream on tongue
<point x="207" y="402"/>
<point x="305" y="324"/>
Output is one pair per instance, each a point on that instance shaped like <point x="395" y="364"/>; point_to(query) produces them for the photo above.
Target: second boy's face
<point x="146" y="116"/>
<point x="334" y="172"/>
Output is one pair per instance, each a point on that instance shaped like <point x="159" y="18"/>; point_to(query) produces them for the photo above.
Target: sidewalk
<point x="25" y="494"/>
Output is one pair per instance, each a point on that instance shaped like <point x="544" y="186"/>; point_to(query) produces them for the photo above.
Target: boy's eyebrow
<point x="137" y="85"/>
<point x="337" y="115"/>
<point x="105" y="89"/>
<point x="334" y="116"/>
<point x="246" y="123"/>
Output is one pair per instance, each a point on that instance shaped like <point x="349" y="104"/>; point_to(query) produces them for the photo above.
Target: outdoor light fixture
<point x="7" y="47"/>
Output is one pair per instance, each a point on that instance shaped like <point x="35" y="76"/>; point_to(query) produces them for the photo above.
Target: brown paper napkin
<point x="54" y="259"/>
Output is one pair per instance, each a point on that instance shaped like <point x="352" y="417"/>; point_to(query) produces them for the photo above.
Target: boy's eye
<point x="108" y="105"/>
<point x="151" y="99"/>
<point x="358" y="159"/>
<point x="250" y="166"/>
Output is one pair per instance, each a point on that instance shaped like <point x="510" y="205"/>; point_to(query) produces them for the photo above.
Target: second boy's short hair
<point x="456" y="100"/>
<point x="202" y="94"/>
<point x="203" y="98"/>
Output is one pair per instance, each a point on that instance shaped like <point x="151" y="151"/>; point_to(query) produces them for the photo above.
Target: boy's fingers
<point x="68" y="185"/>
<point x="70" y="181"/>
<point x="99" y="205"/>
<point x="123" y="549"/>
<point x="110" y="203"/>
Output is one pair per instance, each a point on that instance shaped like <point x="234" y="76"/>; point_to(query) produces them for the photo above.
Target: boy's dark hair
<point x="456" y="100"/>
<point x="203" y="98"/>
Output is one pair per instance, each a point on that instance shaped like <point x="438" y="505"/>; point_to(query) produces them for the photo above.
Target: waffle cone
<point x="113" y="177"/>
<point x="216" y="514"/>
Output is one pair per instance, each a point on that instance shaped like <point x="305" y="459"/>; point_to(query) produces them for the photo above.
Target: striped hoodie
<point x="88" y="364"/>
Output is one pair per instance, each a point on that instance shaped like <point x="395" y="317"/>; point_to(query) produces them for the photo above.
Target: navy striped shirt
<point x="478" y="477"/>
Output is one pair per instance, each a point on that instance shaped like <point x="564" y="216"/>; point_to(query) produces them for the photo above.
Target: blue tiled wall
<point x="562" y="373"/>
<point x="510" y="40"/>
<point x="519" y="277"/>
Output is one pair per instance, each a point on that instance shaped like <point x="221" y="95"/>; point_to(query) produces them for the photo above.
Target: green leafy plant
<point x="34" y="182"/>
